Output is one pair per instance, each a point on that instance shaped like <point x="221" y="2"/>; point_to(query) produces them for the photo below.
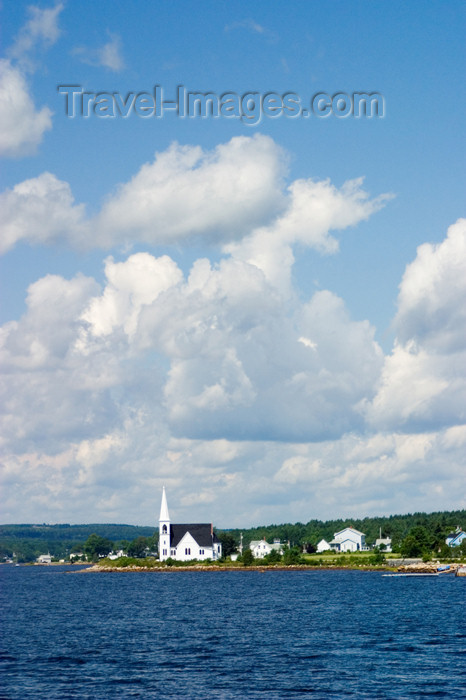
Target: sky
<point x="262" y="309"/>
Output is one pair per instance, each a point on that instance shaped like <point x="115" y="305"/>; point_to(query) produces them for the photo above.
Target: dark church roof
<point x="202" y="533"/>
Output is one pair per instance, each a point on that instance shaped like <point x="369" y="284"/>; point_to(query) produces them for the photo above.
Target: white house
<point x="116" y="555"/>
<point x="260" y="548"/>
<point x="44" y="559"/>
<point x="454" y="539"/>
<point x="186" y="541"/>
<point x="76" y="555"/>
<point x="323" y="546"/>
<point x="349" y="540"/>
<point x="384" y="544"/>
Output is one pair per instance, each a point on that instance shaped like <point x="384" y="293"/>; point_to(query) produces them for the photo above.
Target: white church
<point x="185" y="542"/>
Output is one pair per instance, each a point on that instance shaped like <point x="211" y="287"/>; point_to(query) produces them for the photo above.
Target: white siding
<point x="189" y="549"/>
<point x="322" y="546"/>
<point x="351" y="540"/>
<point x="260" y="549"/>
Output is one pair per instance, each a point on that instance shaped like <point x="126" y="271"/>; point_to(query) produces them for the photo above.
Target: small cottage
<point x="260" y="548"/>
<point x="323" y="546"/>
<point x="384" y="544"/>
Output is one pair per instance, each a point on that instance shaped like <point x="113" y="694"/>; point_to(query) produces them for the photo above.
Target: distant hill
<point x="75" y="532"/>
<point x="27" y="542"/>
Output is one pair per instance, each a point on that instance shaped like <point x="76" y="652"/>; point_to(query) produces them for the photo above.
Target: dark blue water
<point x="338" y="634"/>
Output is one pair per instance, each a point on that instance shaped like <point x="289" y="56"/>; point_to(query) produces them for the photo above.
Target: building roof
<point x="164" y="515"/>
<point x="256" y="543"/>
<point x="353" y="529"/>
<point x="347" y="539"/>
<point x="201" y="532"/>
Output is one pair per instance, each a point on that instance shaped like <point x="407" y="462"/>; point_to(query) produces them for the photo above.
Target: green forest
<point x="397" y="527"/>
<point x="410" y="534"/>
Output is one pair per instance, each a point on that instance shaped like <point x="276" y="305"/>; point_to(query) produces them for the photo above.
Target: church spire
<point x="164" y="529"/>
<point x="164" y="515"/>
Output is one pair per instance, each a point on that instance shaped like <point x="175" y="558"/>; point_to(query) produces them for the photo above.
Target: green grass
<point x="349" y="559"/>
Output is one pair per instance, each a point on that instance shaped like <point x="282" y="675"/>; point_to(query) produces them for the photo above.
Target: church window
<point x="187" y="550"/>
<point x="201" y="551"/>
<point x="164" y="529"/>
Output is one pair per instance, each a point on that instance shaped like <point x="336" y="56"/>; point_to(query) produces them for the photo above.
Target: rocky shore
<point x="428" y="568"/>
<point x="98" y="568"/>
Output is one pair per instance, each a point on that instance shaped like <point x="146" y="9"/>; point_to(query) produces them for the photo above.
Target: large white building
<point x="186" y="541"/>
<point x="349" y="540"/>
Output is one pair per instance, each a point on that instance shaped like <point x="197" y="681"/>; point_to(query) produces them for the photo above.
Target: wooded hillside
<point x="437" y="525"/>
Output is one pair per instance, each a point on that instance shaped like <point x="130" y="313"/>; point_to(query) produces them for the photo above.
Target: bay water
<point x="230" y="634"/>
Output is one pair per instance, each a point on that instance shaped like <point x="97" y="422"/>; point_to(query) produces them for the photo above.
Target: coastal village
<point x="199" y="543"/>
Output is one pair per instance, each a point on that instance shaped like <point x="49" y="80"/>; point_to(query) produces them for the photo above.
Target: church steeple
<point x="164" y="529"/>
<point x="164" y="514"/>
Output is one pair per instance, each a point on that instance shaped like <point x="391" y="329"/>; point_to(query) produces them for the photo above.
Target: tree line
<point x="24" y="543"/>
<point x="436" y="526"/>
<point x="412" y="535"/>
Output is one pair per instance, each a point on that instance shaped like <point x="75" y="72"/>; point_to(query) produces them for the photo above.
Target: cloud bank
<point x="235" y="192"/>
<point x="423" y="384"/>
<point x="223" y="376"/>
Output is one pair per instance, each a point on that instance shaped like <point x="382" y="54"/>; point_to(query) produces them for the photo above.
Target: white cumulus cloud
<point x="190" y="193"/>
<point x="41" y="210"/>
<point x="233" y="196"/>
<point x="314" y="209"/>
<point x="22" y="125"/>
<point x="423" y="384"/>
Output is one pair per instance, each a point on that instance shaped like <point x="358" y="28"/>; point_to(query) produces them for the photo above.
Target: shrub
<point x="273" y="558"/>
<point x="292" y="556"/>
<point x="247" y="558"/>
<point x="377" y="558"/>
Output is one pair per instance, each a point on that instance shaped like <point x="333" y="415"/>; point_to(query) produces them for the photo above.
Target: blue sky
<point x="208" y="304"/>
